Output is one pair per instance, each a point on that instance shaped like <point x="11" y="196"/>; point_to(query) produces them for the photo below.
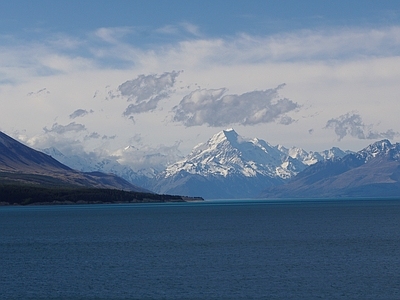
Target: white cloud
<point x="145" y="91"/>
<point x="147" y="86"/>
<point x="215" y="108"/>
<point x="318" y="44"/>
<point x="191" y="28"/>
<point x="326" y="71"/>
<point x="353" y="125"/>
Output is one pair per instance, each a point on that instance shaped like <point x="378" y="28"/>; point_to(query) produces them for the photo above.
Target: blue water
<point x="211" y="250"/>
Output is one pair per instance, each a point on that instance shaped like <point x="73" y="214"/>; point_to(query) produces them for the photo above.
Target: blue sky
<point x="93" y="77"/>
<point x="214" y="18"/>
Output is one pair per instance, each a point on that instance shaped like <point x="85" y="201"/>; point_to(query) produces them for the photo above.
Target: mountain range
<point x="371" y="172"/>
<point x="230" y="166"/>
<point x="227" y="166"/>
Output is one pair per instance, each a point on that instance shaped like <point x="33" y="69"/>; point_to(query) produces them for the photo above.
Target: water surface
<point x="212" y="250"/>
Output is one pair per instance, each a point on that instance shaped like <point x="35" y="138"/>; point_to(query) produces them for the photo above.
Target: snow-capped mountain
<point x="226" y="153"/>
<point x="229" y="166"/>
<point x="310" y="158"/>
<point x="226" y="166"/>
<point x="371" y="172"/>
<point x="380" y="148"/>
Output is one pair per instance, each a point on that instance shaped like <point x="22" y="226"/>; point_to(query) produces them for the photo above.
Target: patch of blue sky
<point x="215" y="18"/>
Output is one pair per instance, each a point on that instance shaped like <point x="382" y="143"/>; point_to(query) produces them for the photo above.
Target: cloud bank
<point x="355" y="68"/>
<point x="353" y="125"/>
<point x="215" y="108"/>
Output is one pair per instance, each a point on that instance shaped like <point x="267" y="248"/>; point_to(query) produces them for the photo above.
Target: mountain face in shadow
<point x="371" y="172"/>
<point x="22" y="164"/>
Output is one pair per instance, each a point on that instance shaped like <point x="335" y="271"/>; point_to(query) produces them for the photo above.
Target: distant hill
<point x="22" y="164"/>
<point x="372" y="172"/>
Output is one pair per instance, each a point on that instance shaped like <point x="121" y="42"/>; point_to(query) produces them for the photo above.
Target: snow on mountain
<point x="227" y="153"/>
<point x="371" y="172"/>
<point x="227" y="165"/>
<point x="380" y="148"/>
<point x="230" y="166"/>
<point x="310" y="158"/>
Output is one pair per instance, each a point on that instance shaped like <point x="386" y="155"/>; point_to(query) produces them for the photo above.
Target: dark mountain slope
<point x="16" y="157"/>
<point x="21" y="164"/>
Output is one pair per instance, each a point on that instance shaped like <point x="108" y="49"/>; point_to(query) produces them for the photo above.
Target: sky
<point x="94" y="77"/>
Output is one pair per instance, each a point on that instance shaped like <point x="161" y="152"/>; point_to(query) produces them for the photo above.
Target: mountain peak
<point x="376" y="149"/>
<point x="381" y="145"/>
<point x="231" y="134"/>
<point x="227" y="134"/>
<point x="228" y="154"/>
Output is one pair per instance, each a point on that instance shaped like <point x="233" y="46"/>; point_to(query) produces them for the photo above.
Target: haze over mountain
<point x="21" y="164"/>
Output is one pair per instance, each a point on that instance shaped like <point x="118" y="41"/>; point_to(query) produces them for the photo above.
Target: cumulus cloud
<point x="79" y="113"/>
<point x="145" y="106"/>
<point x="61" y="129"/>
<point x="215" y="108"/>
<point x="353" y="125"/>
<point x="147" y="86"/>
<point x="145" y="91"/>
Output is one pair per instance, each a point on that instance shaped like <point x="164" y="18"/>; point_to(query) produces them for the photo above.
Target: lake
<point x="291" y="249"/>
